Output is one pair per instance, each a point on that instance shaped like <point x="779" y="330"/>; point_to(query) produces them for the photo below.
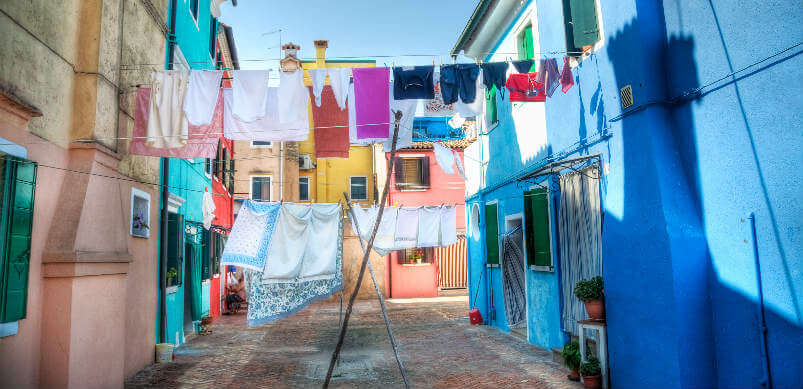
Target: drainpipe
<point x="281" y="171"/>
<point x="171" y="42"/>
<point x="766" y="381"/>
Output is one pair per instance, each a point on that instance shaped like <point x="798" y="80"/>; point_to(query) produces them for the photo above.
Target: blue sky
<point x="354" y="28"/>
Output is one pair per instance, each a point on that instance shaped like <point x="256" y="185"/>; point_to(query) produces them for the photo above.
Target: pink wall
<point x="422" y="280"/>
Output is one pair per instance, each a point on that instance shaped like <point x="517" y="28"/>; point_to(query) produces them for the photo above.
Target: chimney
<point x="320" y="53"/>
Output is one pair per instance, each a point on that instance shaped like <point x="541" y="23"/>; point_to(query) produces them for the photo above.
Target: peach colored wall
<point x="422" y="280"/>
<point x="352" y="258"/>
<point x="88" y="324"/>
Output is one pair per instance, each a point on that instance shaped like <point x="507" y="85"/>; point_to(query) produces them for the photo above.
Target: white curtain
<point x="580" y="228"/>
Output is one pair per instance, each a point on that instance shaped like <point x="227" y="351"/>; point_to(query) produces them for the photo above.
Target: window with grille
<point x="260" y="188"/>
<point x="359" y="188"/>
<point x="415" y="256"/>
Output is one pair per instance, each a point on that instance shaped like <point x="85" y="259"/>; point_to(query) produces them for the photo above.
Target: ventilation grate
<point x="626" y="94"/>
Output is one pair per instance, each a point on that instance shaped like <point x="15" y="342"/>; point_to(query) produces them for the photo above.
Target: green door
<point x="491" y="234"/>
<point x="536" y="222"/>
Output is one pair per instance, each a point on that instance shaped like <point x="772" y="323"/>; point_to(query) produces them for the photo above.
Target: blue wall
<point x="187" y="179"/>
<point x="680" y="181"/>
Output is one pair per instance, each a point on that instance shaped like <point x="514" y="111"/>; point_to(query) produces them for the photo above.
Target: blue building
<point x="683" y="123"/>
<point x="186" y="261"/>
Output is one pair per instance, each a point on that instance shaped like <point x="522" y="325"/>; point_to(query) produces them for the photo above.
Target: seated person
<point x="235" y="289"/>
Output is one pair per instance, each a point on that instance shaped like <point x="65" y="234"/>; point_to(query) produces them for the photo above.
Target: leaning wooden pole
<point x="353" y="297"/>
<point x="393" y="342"/>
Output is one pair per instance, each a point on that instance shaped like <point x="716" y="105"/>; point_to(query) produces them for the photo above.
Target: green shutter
<point x="18" y="195"/>
<point x="584" y="22"/>
<point x="539" y="243"/>
<point x="490" y="106"/>
<point x="491" y="234"/>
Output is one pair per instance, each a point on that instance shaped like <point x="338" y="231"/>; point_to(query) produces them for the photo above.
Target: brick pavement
<point x="439" y="348"/>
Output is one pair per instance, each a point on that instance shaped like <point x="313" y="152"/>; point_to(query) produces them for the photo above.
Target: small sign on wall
<point x="140" y="213"/>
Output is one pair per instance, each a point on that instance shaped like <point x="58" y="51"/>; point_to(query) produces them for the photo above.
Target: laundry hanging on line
<point x="167" y="124"/>
<point x="202" y="96"/>
<point x="331" y="126"/>
<point x="266" y="128"/>
<point x="400" y="227"/>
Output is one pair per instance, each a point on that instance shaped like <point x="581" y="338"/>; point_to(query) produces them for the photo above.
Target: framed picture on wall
<point x="140" y="213"/>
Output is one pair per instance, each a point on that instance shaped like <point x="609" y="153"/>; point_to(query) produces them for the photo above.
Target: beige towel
<point x="167" y="125"/>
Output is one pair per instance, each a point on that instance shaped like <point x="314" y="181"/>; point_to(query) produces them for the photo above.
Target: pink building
<point x="419" y="181"/>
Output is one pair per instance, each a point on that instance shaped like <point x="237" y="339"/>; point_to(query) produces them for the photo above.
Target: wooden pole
<point x="393" y="342"/>
<point x="344" y="327"/>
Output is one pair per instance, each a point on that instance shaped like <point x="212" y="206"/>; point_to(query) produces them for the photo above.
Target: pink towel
<point x="202" y="142"/>
<point x="371" y="101"/>
<point x="566" y="78"/>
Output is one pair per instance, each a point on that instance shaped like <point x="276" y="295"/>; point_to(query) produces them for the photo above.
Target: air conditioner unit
<point x="305" y="162"/>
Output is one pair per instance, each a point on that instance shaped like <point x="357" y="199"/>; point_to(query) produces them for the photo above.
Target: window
<point x="260" y="188"/>
<point x="194" y="10"/>
<point x="536" y="219"/>
<point x="18" y="183"/>
<point x="415" y="256"/>
<point x="175" y="248"/>
<point x="581" y="25"/>
<point x="303" y="188"/>
<point x="412" y="173"/>
<point x="208" y="167"/>
<point x="212" y="37"/>
<point x="261" y="144"/>
<point x="526" y="44"/>
<point x="491" y="234"/>
<point x="359" y="188"/>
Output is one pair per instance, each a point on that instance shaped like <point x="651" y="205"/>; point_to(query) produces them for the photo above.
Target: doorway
<point x="513" y="275"/>
<point x="188" y="282"/>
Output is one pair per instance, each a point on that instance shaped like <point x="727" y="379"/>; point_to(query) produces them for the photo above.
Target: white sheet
<point x="448" y="225"/>
<point x="167" y="125"/>
<point x="318" y="78"/>
<point x="293" y="97"/>
<point x="201" y="98"/>
<point x="305" y="243"/>
<point x="384" y="242"/>
<point x="250" y="94"/>
<point x="406" y="228"/>
<point x="339" y="79"/>
<point x="267" y="128"/>
<point x="429" y="226"/>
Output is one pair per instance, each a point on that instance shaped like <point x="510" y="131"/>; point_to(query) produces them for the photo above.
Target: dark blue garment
<point x="494" y="74"/>
<point x="415" y="83"/>
<point x="459" y="80"/>
<point x="524" y="65"/>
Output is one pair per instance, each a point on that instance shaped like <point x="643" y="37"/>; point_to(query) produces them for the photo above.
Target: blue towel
<point x="413" y="83"/>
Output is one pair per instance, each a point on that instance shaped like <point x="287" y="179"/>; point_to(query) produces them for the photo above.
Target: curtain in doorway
<point x="580" y="228"/>
<point x="513" y="279"/>
<point x="195" y="280"/>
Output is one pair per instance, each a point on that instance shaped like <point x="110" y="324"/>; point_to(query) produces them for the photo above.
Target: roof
<point x="473" y="21"/>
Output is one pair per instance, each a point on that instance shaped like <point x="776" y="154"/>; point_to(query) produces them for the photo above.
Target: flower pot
<point x="592" y="381"/>
<point x="574" y="375"/>
<point x="595" y="309"/>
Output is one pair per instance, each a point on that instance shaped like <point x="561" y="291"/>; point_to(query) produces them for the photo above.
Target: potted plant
<point x="590" y="371"/>
<point x="590" y="292"/>
<point x="571" y="358"/>
<point x="171" y="273"/>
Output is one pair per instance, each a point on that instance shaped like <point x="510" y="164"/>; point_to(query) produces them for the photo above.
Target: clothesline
<point x="363" y="57"/>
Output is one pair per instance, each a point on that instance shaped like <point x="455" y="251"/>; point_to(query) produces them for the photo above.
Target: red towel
<point x="523" y="87"/>
<point x="202" y="142"/>
<point x="331" y="126"/>
<point x="223" y="205"/>
<point x="566" y="78"/>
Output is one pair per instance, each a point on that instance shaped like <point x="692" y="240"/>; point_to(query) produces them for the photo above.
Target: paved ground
<point x="440" y="350"/>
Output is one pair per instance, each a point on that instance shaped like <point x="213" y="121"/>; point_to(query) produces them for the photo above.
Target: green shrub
<point x="589" y="290"/>
<point x="571" y="354"/>
<point x="590" y="367"/>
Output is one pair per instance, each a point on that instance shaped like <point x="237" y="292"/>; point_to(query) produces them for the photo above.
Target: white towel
<point x="208" y="208"/>
<point x="167" y="125"/>
<point x="406" y="228"/>
<point x="384" y="242"/>
<point x="250" y="94"/>
<point x="202" y="93"/>
<point x="429" y="226"/>
<point x="293" y="97"/>
<point x="305" y="243"/>
<point x="318" y="77"/>
<point x="444" y="157"/>
<point x="407" y="108"/>
<point x="339" y="80"/>
<point x="448" y="226"/>
<point x="266" y="128"/>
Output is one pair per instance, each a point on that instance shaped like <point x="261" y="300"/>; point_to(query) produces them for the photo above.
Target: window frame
<point x="256" y="146"/>
<point x="251" y="186"/>
<point x="307" y="179"/>
<point x="576" y="59"/>
<point x="419" y="186"/>
<point x="540" y="268"/>
<point x="428" y="259"/>
<point x="351" y="188"/>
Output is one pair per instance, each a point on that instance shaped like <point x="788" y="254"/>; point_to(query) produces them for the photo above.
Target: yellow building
<point x="326" y="179"/>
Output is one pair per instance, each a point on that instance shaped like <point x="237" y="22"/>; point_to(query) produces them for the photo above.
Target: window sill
<point x="546" y="269"/>
<point x="9" y="329"/>
<point x="171" y="289"/>
<point x="491" y="265"/>
<point x="416" y="264"/>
